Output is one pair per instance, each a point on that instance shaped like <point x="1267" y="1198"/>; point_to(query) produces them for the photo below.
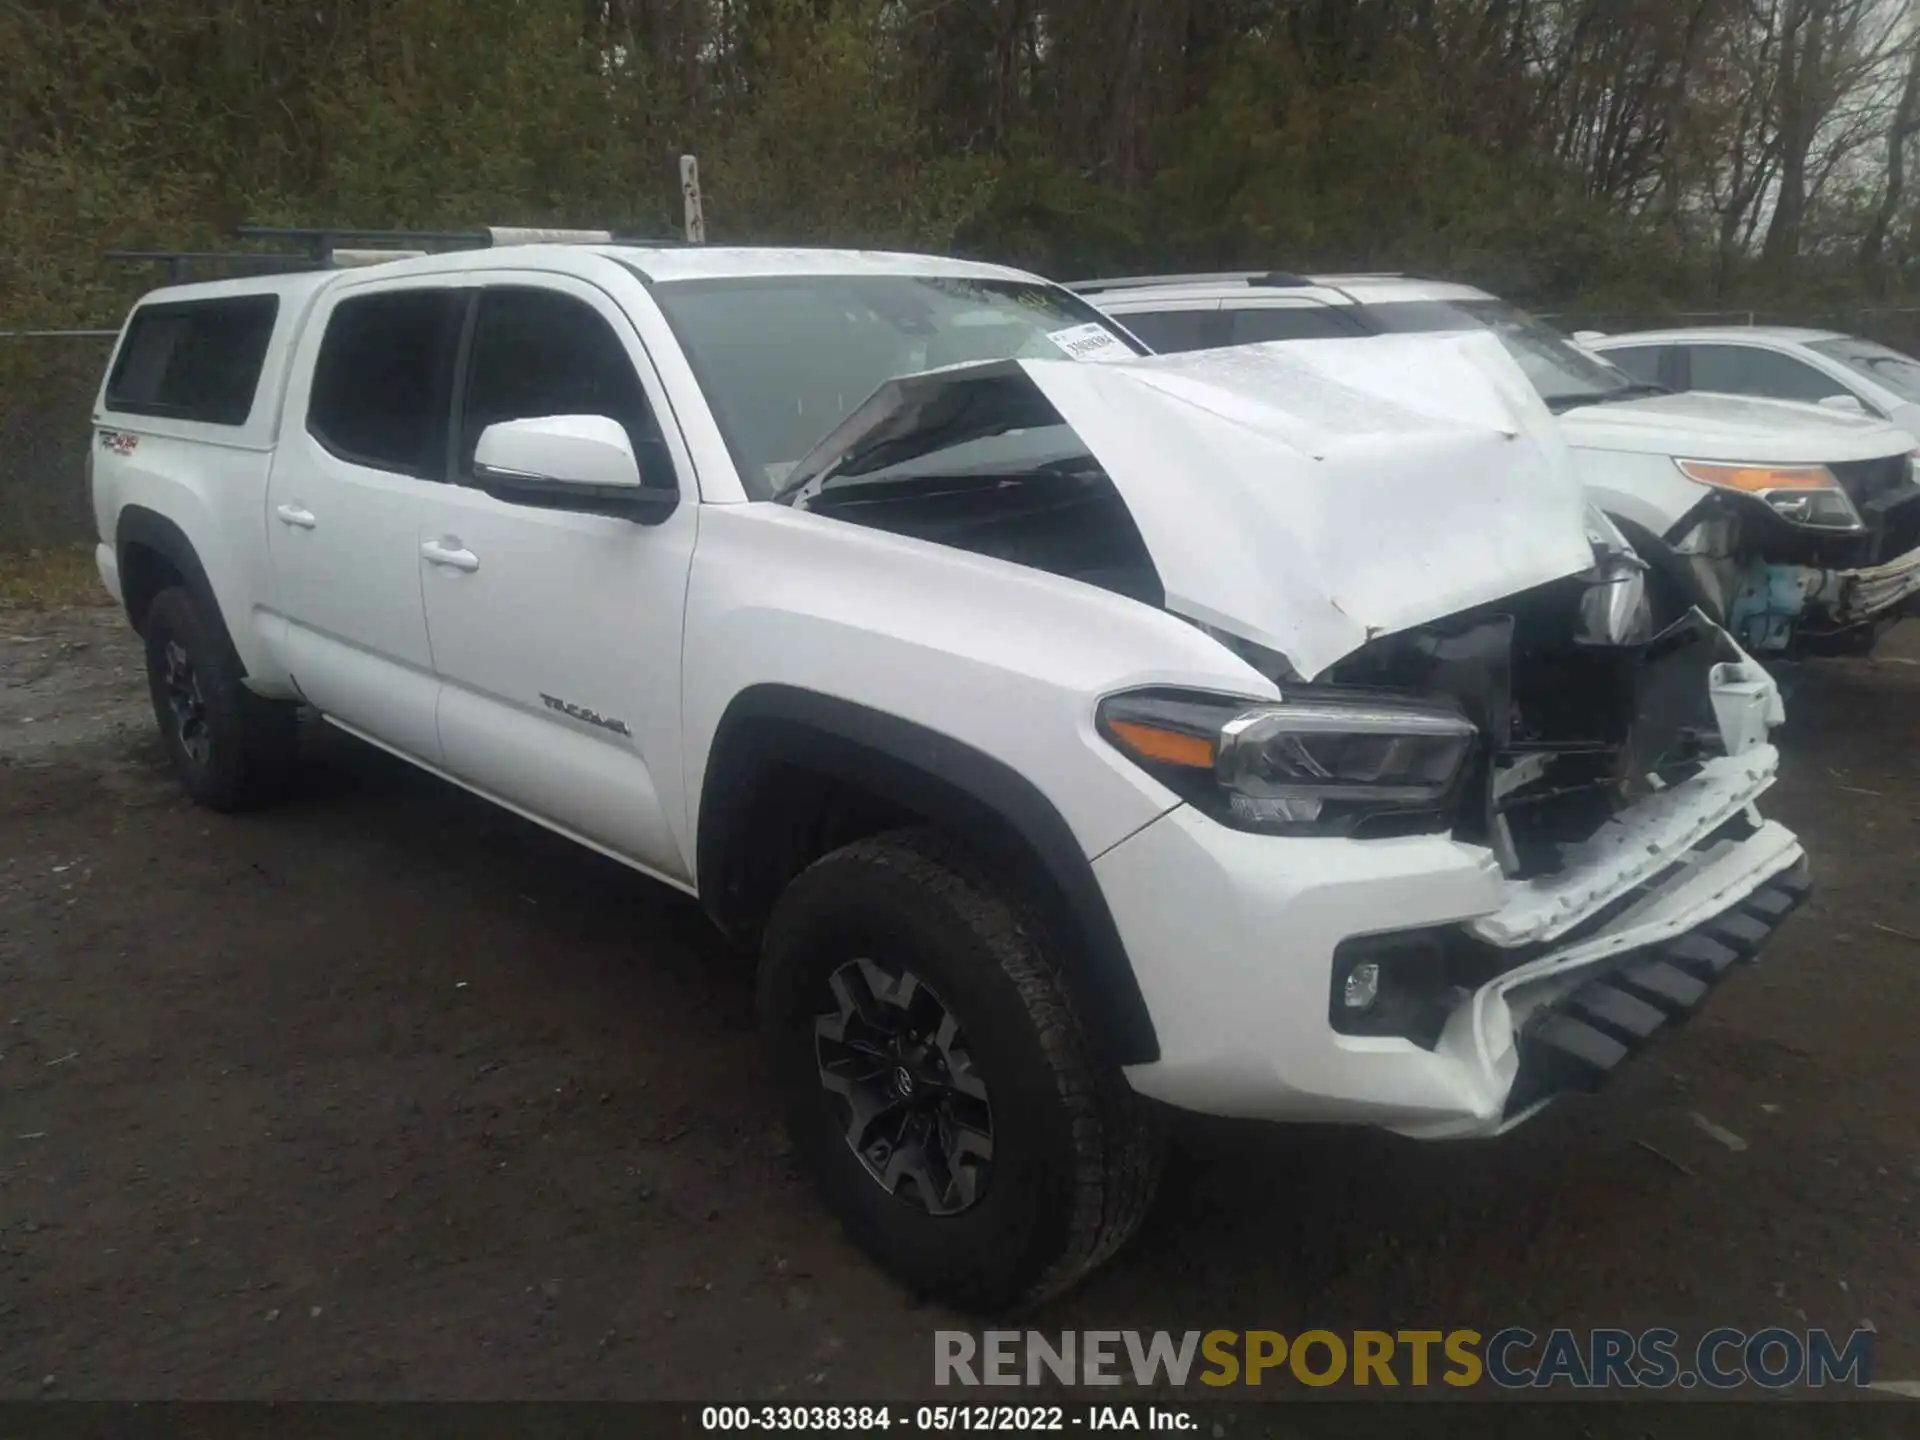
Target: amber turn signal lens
<point x="1167" y="747"/>
<point x="1758" y="479"/>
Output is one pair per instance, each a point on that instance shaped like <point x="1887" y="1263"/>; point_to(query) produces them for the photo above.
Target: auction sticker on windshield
<point x="1089" y="342"/>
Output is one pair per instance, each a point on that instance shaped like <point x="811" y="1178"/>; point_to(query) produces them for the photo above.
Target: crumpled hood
<point x="1308" y="495"/>
<point x="1701" y="426"/>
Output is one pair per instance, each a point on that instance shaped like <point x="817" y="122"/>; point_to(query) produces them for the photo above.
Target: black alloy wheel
<point x="917" y="1112"/>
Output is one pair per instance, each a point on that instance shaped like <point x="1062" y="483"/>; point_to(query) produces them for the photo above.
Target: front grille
<point x="1869" y="481"/>
<point x="1884" y="493"/>
<point x="1900" y="527"/>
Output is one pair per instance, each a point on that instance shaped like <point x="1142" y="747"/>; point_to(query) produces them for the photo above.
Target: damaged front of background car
<point x="1795" y="526"/>
<point x="1390" y="532"/>
<point x="1835" y="563"/>
<point x="1816" y="552"/>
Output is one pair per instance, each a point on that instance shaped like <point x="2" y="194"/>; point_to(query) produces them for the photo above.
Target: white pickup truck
<point x="1072" y="732"/>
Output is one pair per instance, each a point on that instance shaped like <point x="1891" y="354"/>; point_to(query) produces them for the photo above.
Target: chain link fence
<point x="48" y="379"/>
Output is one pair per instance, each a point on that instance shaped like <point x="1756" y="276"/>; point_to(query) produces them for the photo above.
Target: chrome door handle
<point x="450" y="555"/>
<point x="295" y="516"/>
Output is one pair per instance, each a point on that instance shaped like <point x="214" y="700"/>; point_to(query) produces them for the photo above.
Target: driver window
<point x="538" y="352"/>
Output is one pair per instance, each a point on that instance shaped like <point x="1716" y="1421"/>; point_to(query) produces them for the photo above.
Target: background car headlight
<point x="1320" y="760"/>
<point x="1806" y="495"/>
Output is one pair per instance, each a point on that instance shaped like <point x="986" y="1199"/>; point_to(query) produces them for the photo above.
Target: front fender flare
<point x="950" y="783"/>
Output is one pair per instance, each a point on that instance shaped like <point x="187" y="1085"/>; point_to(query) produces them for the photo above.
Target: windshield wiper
<point x="841" y="488"/>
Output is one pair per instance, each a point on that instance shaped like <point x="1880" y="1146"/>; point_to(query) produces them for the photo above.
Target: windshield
<point x="1879" y="363"/>
<point x="1565" y="375"/>
<point x="785" y="358"/>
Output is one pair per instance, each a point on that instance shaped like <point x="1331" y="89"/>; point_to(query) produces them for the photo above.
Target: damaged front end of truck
<point x="1397" y="520"/>
<point x="1616" y="786"/>
<point x="1804" y="559"/>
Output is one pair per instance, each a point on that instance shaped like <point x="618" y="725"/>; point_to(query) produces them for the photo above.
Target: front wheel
<point x="940" y="1086"/>
<point x="232" y="749"/>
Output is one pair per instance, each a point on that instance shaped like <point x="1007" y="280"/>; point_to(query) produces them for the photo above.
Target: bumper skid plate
<point x="1573" y="1045"/>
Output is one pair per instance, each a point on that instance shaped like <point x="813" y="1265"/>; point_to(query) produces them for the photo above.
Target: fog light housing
<point x="1397" y="985"/>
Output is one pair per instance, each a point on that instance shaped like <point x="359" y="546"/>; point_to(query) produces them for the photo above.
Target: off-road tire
<point x="244" y="743"/>
<point x="1076" y="1153"/>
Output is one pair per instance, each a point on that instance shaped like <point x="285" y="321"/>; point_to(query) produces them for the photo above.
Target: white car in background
<point x="1795" y="526"/>
<point x="1818" y="367"/>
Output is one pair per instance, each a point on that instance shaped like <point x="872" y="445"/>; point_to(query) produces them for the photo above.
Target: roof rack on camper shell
<point x="1250" y="277"/>
<point x="1271" y="279"/>
<point x="326" y="248"/>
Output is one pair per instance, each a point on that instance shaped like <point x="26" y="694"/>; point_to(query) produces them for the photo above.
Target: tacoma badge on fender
<point x="580" y="712"/>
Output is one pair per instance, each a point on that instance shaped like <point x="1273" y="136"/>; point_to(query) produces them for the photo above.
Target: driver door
<point x="556" y="635"/>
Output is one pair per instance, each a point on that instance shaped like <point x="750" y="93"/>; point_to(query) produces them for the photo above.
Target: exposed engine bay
<point x="1066" y="519"/>
<point x="1582" y="709"/>
<point x="1452" y="654"/>
<point x="1304" y="503"/>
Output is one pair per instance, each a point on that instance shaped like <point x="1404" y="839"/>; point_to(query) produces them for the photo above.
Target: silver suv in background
<point x="1797" y="527"/>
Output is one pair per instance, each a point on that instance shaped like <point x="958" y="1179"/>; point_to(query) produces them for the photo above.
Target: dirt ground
<point x="388" y="1094"/>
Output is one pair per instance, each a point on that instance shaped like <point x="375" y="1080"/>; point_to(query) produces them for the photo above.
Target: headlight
<point x="1320" y="760"/>
<point x="1803" y="494"/>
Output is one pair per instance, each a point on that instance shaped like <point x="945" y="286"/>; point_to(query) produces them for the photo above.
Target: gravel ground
<point x="388" y="1094"/>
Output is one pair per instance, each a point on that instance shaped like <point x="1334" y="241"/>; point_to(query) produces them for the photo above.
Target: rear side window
<point x="1290" y="322"/>
<point x="1642" y="362"/>
<point x="1172" y="331"/>
<point x="383" y="377"/>
<point x="194" y="359"/>
<point x="1748" y="370"/>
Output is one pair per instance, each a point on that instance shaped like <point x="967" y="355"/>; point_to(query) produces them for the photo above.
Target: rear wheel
<point x="940" y="1085"/>
<point x="232" y="749"/>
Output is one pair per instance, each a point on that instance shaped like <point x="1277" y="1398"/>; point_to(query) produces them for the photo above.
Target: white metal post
<point x="690" y="193"/>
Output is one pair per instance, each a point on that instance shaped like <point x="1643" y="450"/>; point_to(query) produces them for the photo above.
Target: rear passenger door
<point x="362" y="448"/>
<point x="556" y="636"/>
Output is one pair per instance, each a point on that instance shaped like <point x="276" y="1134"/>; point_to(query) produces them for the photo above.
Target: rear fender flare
<point x="139" y="526"/>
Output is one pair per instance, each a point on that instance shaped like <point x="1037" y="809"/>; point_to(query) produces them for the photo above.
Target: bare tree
<point x="1828" y="50"/>
<point x="1903" y="127"/>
